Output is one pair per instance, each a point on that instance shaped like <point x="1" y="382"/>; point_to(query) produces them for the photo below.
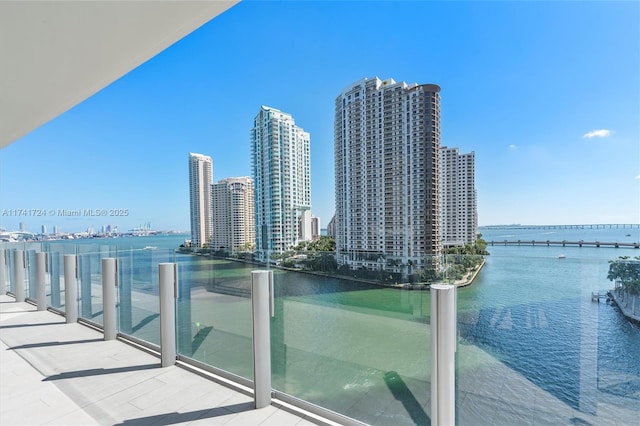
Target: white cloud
<point x="638" y="177"/>
<point x="602" y="133"/>
<point x="512" y="147"/>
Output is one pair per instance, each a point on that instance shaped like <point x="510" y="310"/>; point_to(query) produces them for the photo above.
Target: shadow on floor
<point x="41" y="324"/>
<point x="100" y="371"/>
<point x="174" y="417"/>
<point x="45" y="344"/>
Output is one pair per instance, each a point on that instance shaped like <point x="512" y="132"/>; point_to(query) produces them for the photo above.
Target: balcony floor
<point x="66" y="374"/>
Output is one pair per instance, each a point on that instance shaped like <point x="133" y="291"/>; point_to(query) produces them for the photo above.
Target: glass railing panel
<point x="7" y="268"/>
<point x="11" y="287"/>
<point x="30" y="274"/>
<point x="353" y="345"/>
<point x="56" y="251"/>
<point x="538" y="342"/>
<point x="62" y="246"/>
<point x="55" y="295"/>
<point x="541" y="342"/>
<point x="90" y="286"/>
<point x="138" y="303"/>
<point x="214" y="312"/>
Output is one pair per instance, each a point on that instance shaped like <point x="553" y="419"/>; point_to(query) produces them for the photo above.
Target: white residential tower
<point x="233" y="214"/>
<point x="200" y="180"/>
<point x="281" y="167"/>
<point x="458" y="213"/>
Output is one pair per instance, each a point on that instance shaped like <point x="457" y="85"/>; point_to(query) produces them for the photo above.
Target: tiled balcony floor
<point x="66" y="374"/>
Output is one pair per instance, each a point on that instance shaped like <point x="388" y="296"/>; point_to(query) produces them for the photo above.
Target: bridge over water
<point x="563" y="243"/>
<point x="586" y="226"/>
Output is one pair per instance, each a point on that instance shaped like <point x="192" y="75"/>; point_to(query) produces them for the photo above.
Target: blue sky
<point x="523" y="85"/>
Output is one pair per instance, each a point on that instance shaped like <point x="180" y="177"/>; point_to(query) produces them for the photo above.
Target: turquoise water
<point x="533" y="348"/>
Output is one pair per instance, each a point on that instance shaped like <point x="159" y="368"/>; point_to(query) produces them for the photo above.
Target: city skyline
<point x="545" y="93"/>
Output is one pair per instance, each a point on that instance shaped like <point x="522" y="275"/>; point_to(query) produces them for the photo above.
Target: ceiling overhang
<point x="56" y="54"/>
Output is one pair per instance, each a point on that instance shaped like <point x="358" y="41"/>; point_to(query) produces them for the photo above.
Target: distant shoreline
<point x="403" y="286"/>
<point x="624" y="308"/>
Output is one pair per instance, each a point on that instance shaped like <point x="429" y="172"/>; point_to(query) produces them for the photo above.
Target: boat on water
<point x="149" y="248"/>
<point x="562" y="256"/>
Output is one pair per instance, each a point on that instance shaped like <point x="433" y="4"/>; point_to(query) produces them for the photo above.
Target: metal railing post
<point x="3" y="272"/>
<point x="262" y="308"/>
<point x="19" y="264"/>
<point x="443" y="348"/>
<point x="41" y="281"/>
<point x="109" y="285"/>
<point x="71" y="288"/>
<point x="168" y="277"/>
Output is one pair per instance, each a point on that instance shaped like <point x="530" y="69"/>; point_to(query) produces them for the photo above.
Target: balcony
<point x="385" y="364"/>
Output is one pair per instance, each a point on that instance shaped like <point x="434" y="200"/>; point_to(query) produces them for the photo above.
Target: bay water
<point x="533" y="348"/>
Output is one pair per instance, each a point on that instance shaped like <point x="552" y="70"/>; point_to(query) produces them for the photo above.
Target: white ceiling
<point x="55" y="54"/>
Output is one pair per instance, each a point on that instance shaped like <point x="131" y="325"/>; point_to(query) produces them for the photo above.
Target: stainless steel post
<point x="3" y="272"/>
<point x="443" y="348"/>
<point x="168" y="274"/>
<point x="262" y="308"/>
<point x="41" y="281"/>
<point x="109" y="285"/>
<point x="19" y="264"/>
<point x="71" y="288"/>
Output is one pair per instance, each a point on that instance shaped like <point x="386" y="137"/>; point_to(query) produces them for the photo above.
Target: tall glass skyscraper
<point x="281" y="168"/>
<point x="387" y="137"/>
<point x="200" y="180"/>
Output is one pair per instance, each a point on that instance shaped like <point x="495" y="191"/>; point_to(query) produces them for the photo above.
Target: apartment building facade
<point x="387" y="140"/>
<point x="233" y="214"/>
<point x="281" y="169"/>
<point x="200" y="180"/>
<point x="458" y="198"/>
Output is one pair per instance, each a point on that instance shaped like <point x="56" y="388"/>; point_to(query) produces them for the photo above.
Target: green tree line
<point x="626" y="270"/>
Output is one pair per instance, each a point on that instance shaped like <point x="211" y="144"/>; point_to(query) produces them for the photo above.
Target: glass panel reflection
<point x="138" y="302"/>
<point x="214" y="313"/>
<point x="353" y="347"/>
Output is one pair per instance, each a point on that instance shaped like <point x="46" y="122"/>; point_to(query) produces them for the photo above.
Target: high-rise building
<point x="315" y="227"/>
<point x="23" y="226"/>
<point x="458" y="208"/>
<point x="233" y="214"/>
<point x="56" y="229"/>
<point x="305" y="226"/>
<point x="387" y="137"/>
<point x="281" y="167"/>
<point x="331" y="227"/>
<point x="200" y="180"/>
<point x="44" y="229"/>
